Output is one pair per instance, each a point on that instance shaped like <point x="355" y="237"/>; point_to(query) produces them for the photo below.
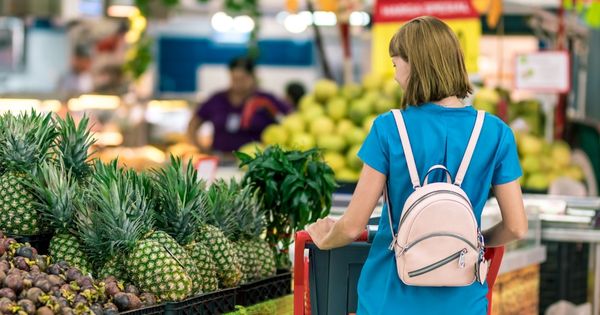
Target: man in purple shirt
<point x="240" y="113"/>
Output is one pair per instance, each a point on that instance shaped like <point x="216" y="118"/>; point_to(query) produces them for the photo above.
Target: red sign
<point x="405" y="10"/>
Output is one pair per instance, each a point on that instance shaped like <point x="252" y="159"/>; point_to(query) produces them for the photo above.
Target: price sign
<point x="546" y="71"/>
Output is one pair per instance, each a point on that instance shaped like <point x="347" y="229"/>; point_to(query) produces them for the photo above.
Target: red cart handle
<point x="302" y="238"/>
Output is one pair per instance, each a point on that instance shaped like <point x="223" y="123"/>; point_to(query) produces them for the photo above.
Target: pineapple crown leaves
<point x="26" y="140"/>
<point x="235" y="209"/>
<point x="180" y="200"/>
<point x="119" y="212"/>
<point x="74" y="142"/>
<point x="56" y="192"/>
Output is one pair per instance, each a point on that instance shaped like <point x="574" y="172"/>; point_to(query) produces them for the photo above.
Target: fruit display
<point x="544" y="162"/>
<point x="161" y="231"/>
<point x="32" y="284"/>
<point x="336" y="120"/>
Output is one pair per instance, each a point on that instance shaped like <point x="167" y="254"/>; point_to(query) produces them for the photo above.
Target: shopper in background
<point x="238" y="114"/>
<point x="429" y="66"/>
<point x="79" y="78"/>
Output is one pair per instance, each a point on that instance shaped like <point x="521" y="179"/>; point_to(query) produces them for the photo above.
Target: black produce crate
<point x="564" y="274"/>
<point x="39" y="242"/>
<point x="214" y="303"/>
<point x="152" y="310"/>
<point x="265" y="289"/>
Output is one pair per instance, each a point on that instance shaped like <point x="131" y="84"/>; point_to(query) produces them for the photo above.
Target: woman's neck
<point x="451" y="101"/>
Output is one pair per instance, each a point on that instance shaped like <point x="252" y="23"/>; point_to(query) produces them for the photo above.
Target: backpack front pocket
<point x="460" y="255"/>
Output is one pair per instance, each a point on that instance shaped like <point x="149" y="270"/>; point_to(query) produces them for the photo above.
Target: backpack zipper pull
<point x="391" y="247"/>
<point x="461" y="258"/>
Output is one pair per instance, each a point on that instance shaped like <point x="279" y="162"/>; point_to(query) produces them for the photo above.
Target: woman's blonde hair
<point x="437" y="65"/>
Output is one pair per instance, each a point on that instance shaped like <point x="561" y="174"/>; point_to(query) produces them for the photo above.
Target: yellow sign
<point x="468" y="31"/>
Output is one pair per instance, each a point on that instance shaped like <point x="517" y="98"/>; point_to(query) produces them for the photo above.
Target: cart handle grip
<point x="302" y="238"/>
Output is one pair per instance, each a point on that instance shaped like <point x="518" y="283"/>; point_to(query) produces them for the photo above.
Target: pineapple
<point x="74" y="142"/>
<point x="118" y="223"/>
<point x="57" y="191"/>
<point x="180" y="199"/>
<point x="243" y="222"/>
<point x="25" y="142"/>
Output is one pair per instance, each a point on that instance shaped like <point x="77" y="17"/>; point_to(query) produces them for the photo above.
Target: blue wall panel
<point x="180" y="57"/>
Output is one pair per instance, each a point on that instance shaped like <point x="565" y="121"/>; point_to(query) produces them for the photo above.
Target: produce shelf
<point x="218" y="302"/>
<point x="152" y="310"/>
<point x="265" y="289"/>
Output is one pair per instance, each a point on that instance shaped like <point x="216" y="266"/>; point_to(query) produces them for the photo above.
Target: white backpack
<point x="438" y="241"/>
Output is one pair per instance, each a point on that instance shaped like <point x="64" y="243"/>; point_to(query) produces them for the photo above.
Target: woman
<point x="238" y="114"/>
<point x="429" y="66"/>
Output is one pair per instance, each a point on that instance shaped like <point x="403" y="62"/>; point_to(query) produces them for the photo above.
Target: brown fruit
<point x="54" y="269"/>
<point x="4" y="266"/>
<point x="73" y="274"/>
<point x="27" y="306"/>
<point x="2" y="276"/>
<point x="130" y="288"/>
<point x="27" y="252"/>
<point x="8" y="293"/>
<point x="14" y="282"/>
<point x="41" y="261"/>
<point x="110" y="307"/>
<point x="127" y="301"/>
<point x="34" y="294"/>
<point x="43" y="284"/>
<point x="6" y="305"/>
<point x="112" y="288"/>
<point x="148" y="299"/>
<point x="97" y="309"/>
<point x="55" y="280"/>
<point x="21" y="263"/>
<point x="44" y="311"/>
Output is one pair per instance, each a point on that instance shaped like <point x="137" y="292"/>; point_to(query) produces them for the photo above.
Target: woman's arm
<point x="327" y="233"/>
<point x="192" y="130"/>
<point x="514" y="220"/>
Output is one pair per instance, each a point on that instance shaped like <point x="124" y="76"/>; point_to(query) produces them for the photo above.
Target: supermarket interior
<point x="169" y="156"/>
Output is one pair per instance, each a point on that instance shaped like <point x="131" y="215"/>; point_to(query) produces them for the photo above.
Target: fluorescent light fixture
<point x="221" y="22"/>
<point x="359" y="18"/>
<point x="51" y="106"/>
<point x="295" y="23"/>
<point x="121" y="10"/>
<point x="243" y="24"/>
<point x="16" y="105"/>
<point x="307" y="17"/>
<point x="280" y="17"/>
<point x="102" y="102"/>
<point x="323" y="18"/>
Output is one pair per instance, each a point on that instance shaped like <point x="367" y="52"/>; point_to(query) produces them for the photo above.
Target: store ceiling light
<point x="18" y="105"/>
<point x="122" y="11"/>
<point x="221" y="22"/>
<point x="307" y="17"/>
<point x="323" y="18"/>
<point x="243" y="24"/>
<point x="295" y="23"/>
<point x="102" y="102"/>
<point x="359" y="18"/>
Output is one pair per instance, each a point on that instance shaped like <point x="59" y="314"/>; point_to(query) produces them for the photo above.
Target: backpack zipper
<point x="427" y="195"/>
<point x="438" y="234"/>
<point x="460" y="255"/>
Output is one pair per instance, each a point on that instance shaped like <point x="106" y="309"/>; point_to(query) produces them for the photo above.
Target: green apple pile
<point x="543" y="162"/>
<point x="335" y="119"/>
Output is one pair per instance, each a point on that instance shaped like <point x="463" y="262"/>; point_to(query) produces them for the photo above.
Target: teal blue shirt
<point x="438" y="135"/>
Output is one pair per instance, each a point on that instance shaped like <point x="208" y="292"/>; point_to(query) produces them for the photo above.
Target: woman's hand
<point x="319" y="230"/>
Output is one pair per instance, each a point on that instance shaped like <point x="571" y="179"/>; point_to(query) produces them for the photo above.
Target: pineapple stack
<point x="236" y="210"/>
<point x="180" y="201"/>
<point x="26" y="141"/>
<point x="117" y="229"/>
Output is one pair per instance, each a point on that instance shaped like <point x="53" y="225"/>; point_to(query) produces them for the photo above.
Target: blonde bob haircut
<point x="437" y="65"/>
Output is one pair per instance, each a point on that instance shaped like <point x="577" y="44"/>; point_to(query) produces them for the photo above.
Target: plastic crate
<point x="39" y="242"/>
<point x="152" y="310"/>
<point x="265" y="289"/>
<point x="214" y="303"/>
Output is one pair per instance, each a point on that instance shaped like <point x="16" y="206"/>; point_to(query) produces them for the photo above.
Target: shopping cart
<point x="325" y="281"/>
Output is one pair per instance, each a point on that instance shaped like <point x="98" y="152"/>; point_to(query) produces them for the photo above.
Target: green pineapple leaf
<point x="73" y="145"/>
<point x="179" y="200"/>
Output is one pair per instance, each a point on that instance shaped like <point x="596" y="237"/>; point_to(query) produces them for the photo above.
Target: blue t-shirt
<point x="438" y="135"/>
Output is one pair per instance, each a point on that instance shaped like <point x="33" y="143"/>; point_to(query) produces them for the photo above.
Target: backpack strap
<point x="464" y="165"/>
<point x="408" y="154"/>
